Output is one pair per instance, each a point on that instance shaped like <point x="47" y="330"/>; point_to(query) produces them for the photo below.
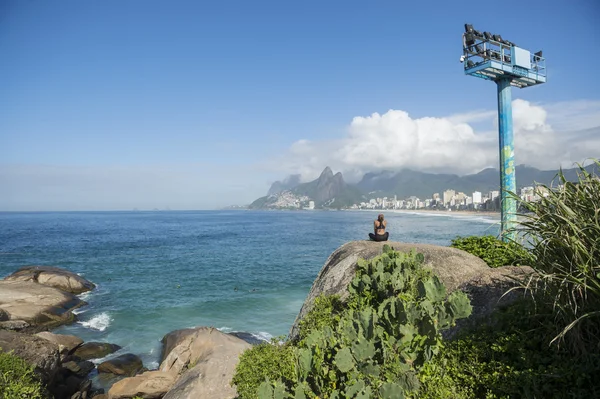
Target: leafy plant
<point x="376" y="345"/>
<point x="272" y="360"/>
<point x="512" y="359"/>
<point x="493" y="251"/>
<point x="563" y="231"/>
<point x="18" y="380"/>
<point x="325" y="312"/>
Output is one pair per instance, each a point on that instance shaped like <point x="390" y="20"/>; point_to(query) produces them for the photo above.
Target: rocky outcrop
<point x="127" y="364"/>
<point x="30" y="305"/>
<point x="456" y="269"/>
<point x="205" y="358"/>
<point x="149" y="385"/>
<point x="40" y="353"/>
<point x="95" y="350"/>
<point x="53" y="277"/>
<point x="66" y="343"/>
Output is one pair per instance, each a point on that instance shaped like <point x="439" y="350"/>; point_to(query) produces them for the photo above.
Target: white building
<point x="476" y="197"/>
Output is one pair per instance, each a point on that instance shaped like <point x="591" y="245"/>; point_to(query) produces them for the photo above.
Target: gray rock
<point x="66" y="343"/>
<point x="95" y="350"/>
<point x="14" y="325"/>
<point x="40" y="306"/>
<point x="54" y="277"/>
<point x="4" y="316"/>
<point x="40" y="353"/>
<point x="455" y="268"/>
<point x="206" y="358"/>
<point x="127" y="364"/>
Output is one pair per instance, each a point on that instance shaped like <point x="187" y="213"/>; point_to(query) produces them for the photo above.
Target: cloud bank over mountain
<point x="465" y="143"/>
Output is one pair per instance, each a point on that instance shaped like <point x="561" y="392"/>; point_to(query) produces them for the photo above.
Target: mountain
<point x="287" y="184"/>
<point x="329" y="191"/>
<point x="409" y="182"/>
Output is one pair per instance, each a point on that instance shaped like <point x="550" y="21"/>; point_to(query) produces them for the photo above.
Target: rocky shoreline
<point x="195" y="362"/>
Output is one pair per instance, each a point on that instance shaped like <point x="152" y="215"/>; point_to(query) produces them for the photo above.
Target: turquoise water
<point x="234" y="270"/>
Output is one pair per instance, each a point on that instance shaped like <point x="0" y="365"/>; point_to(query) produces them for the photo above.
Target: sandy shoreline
<point x="488" y="214"/>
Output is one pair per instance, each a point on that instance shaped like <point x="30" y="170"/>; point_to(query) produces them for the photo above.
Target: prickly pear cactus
<point x="388" y="331"/>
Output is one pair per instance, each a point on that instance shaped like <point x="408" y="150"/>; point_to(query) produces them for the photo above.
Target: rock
<point x="66" y="343"/>
<point x="15" y="325"/>
<point x="251" y="339"/>
<point x="40" y="353"/>
<point x="53" y="277"/>
<point x="40" y="306"/>
<point x="149" y="385"/>
<point x="81" y="369"/>
<point x="127" y="364"/>
<point x="207" y="358"/>
<point x="4" y="316"/>
<point x="100" y="396"/>
<point x="95" y="350"/>
<point x="455" y="268"/>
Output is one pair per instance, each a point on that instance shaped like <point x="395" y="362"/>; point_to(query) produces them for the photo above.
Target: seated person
<point x="379" y="229"/>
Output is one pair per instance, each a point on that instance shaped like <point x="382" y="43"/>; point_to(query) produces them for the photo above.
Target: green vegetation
<point x="512" y="359"/>
<point x="384" y="341"/>
<point x="563" y="232"/>
<point x="373" y="347"/>
<point x="17" y="379"/>
<point x="493" y="251"/>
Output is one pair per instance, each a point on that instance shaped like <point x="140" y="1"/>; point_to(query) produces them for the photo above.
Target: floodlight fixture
<point x="490" y="57"/>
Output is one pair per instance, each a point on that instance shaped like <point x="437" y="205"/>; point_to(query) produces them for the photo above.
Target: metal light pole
<point x="490" y="57"/>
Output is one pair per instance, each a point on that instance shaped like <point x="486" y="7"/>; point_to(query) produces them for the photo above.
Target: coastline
<point x="447" y="213"/>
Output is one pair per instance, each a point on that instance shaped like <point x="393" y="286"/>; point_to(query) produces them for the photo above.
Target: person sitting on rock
<point x="379" y="229"/>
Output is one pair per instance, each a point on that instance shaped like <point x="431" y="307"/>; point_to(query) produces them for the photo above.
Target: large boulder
<point x="95" y="350"/>
<point x="34" y="306"/>
<point x="149" y="385"/>
<point x="66" y="343"/>
<point x="40" y="353"/>
<point x="127" y="364"/>
<point x="206" y="358"/>
<point x="456" y="269"/>
<point x="52" y="277"/>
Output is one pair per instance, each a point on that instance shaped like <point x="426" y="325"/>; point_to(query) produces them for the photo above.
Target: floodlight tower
<point x="493" y="58"/>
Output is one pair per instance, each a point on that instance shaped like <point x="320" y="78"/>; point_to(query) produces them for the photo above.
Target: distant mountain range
<point x="331" y="191"/>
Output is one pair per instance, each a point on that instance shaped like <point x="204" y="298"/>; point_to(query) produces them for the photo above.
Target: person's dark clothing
<point x="379" y="237"/>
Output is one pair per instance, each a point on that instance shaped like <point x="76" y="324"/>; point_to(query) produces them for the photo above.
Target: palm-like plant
<point x="562" y="230"/>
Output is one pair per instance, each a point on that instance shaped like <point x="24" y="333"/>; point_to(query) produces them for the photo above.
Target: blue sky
<point x="195" y="105"/>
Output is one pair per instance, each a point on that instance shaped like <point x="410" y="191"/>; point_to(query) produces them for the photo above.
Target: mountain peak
<point x="326" y="174"/>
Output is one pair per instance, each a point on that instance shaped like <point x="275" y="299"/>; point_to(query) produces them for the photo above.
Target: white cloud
<point x="395" y="140"/>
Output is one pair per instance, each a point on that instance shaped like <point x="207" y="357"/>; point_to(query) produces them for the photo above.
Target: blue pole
<point x="507" y="159"/>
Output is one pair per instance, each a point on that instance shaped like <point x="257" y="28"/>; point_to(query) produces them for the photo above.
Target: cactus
<point x="391" y="327"/>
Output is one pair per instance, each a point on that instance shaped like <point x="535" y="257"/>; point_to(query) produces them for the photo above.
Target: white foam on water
<point x="80" y="310"/>
<point x="263" y="336"/>
<point x="224" y="329"/>
<point x="99" y="322"/>
<point x="84" y="296"/>
<point x="153" y="365"/>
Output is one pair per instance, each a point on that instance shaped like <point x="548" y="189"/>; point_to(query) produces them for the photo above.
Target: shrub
<point x="325" y="312"/>
<point x="273" y="361"/>
<point x="513" y="359"/>
<point x="563" y="232"/>
<point x="18" y="380"/>
<point x="493" y="251"/>
<point x="376" y="345"/>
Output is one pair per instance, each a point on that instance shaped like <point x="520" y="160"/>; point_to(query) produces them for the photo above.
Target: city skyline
<point x="115" y="106"/>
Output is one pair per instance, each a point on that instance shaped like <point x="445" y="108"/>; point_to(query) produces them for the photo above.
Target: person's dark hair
<point x="380" y="217"/>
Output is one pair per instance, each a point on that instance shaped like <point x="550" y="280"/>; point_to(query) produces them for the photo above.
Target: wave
<point x="99" y="322"/>
<point x="263" y="336"/>
<point x="80" y="311"/>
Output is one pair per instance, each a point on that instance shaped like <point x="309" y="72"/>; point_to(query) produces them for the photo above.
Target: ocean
<point x="234" y="270"/>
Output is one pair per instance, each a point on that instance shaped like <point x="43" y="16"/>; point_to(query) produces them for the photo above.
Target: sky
<point x="143" y="104"/>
